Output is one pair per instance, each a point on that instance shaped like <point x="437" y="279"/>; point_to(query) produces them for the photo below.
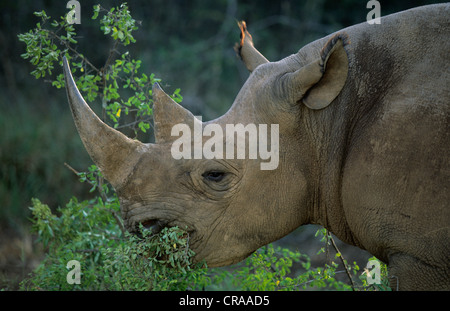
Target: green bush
<point x="91" y="233"/>
<point x="270" y="268"/>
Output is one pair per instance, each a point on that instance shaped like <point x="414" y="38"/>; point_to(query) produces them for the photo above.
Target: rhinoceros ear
<point x="245" y="49"/>
<point x="113" y="152"/>
<point x="166" y="114"/>
<point x="320" y="82"/>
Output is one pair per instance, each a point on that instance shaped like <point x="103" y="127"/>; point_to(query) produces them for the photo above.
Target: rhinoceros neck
<point x="335" y="130"/>
<point x="327" y="142"/>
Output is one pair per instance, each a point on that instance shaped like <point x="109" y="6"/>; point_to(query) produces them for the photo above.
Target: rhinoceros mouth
<point x="154" y="225"/>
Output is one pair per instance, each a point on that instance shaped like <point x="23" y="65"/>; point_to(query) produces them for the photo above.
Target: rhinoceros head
<point x="229" y="203"/>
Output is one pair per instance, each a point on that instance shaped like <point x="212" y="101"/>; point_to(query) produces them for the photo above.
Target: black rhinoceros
<point x="362" y="120"/>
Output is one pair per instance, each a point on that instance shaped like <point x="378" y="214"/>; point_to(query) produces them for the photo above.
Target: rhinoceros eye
<point x="215" y="176"/>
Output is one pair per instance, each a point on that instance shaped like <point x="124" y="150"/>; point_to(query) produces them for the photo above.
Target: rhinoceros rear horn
<point x="245" y="49"/>
<point x="166" y="114"/>
<point x="114" y="153"/>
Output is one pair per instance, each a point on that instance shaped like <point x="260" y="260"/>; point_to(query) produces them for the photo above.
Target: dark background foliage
<point x="188" y="44"/>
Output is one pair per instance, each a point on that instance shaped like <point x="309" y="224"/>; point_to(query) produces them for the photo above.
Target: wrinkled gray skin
<point x="364" y="151"/>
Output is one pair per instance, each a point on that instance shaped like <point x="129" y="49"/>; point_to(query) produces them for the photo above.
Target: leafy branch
<point x="121" y="87"/>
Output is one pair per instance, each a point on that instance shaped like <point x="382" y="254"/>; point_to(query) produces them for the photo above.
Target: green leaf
<point x="96" y="11"/>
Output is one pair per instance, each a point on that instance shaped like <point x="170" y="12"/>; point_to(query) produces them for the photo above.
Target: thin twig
<point x="67" y="45"/>
<point x="111" y="54"/>
<point x="72" y="169"/>
<point x="119" y="221"/>
<point x="343" y="261"/>
<point x="307" y="282"/>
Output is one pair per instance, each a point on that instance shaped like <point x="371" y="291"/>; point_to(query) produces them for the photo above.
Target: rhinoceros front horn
<point x="114" y="153"/>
